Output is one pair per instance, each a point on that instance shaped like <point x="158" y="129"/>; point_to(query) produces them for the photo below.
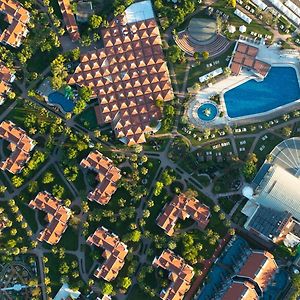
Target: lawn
<point x="244" y="143"/>
<point x="199" y="70"/>
<point x="41" y="60"/>
<point x="268" y="144"/>
<point x="226" y="204"/>
<point x="69" y="239"/>
<point x="88" y="119"/>
<point x="179" y="70"/>
<point x="238" y="217"/>
<point x="29" y="215"/>
<point x="236" y="21"/>
<point x="138" y="294"/>
<point x="224" y="183"/>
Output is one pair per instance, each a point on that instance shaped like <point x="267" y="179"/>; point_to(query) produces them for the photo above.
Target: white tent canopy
<point x="286" y="11"/>
<point x="231" y="29"/>
<point x="260" y="4"/>
<point x="242" y="28"/>
<point x="243" y="16"/>
<point x="291" y="5"/>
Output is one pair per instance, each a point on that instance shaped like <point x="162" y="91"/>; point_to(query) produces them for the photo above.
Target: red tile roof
<point x="183" y="207"/>
<point x="6" y="77"/>
<point x="107" y="174"/>
<point x="69" y="19"/>
<point x="181" y="275"/>
<point x="245" y="56"/>
<point x="260" y="267"/>
<point x="241" y="291"/>
<point x="57" y="216"/>
<point x="20" y="145"/>
<point x="114" y="252"/>
<point x="128" y="75"/>
<point x="18" y="17"/>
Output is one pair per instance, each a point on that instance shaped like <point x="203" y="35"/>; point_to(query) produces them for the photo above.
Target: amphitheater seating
<point x="215" y="46"/>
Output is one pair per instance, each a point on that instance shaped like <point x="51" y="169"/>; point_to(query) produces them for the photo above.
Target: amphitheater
<point x="201" y="35"/>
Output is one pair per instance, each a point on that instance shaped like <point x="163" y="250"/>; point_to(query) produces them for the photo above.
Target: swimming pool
<point x="59" y="99"/>
<point x="207" y="111"/>
<point x="279" y="87"/>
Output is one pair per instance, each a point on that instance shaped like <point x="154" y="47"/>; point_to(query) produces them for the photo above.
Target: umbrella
<point x="242" y="28"/>
<point x="231" y="29"/>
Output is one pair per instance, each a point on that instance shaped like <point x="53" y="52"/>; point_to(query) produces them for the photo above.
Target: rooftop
<point x="279" y="190"/>
<point x="128" y="75"/>
<point x="69" y="19"/>
<point x="6" y="77"/>
<point x="268" y="222"/>
<point x="183" y="207"/>
<point x="114" y="252"/>
<point x="181" y="275"/>
<point x="57" y="216"/>
<point x="245" y="56"/>
<point x="20" y="145"/>
<point x="107" y="174"/>
<point x="18" y="17"/>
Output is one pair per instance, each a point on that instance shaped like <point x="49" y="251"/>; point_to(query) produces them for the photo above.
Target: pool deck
<point x="272" y="55"/>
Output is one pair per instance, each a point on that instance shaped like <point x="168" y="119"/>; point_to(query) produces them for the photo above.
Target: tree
<point x="17" y="181"/>
<point x="287" y="131"/>
<point x="126" y="283"/>
<point x="250" y="165"/>
<point x="95" y="21"/>
<point x="205" y="55"/>
<point x="158" y="188"/>
<point x="107" y="289"/>
<point x="48" y="178"/>
<point x="232" y="3"/>
<point x="175" y="54"/>
<point x="216" y="208"/>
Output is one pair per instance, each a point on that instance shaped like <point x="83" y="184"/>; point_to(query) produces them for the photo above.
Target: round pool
<point x="207" y="111"/>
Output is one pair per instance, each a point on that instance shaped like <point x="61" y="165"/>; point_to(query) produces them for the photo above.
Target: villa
<point x="241" y="272"/>
<point x="253" y="277"/>
<point x="128" y="75"/>
<point x="6" y="78"/>
<point x="57" y="217"/>
<point x="18" y="18"/>
<point x="107" y="174"/>
<point x="114" y="252"/>
<point x="273" y="208"/>
<point x="69" y="19"/>
<point x="19" y="143"/>
<point x="183" y="207"/>
<point x="181" y="275"/>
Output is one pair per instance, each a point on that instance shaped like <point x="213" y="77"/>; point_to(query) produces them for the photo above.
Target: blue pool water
<point x="213" y="111"/>
<point x="278" y="88"/>
<point x="57" y="98"/>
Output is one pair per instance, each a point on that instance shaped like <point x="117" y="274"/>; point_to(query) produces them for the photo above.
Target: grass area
<point x="223" y="6"/>
<point x="159" y="202"/>
<point x="41" y="60"/>
<point x="244" y="143"/>
<point x="69" y="239"/>
<point x="238" y="217"/>
<point x="138" y="294"/>
<point x="225" y="182"/>
<point x="263" y="148"/>
<point x="29" y="215"/>
<point x="179" y="70"/>
<point x="152" y="144"/>
<point x="88" y="118"/>
<point x="226" y="204"/>
<point x="199" y="70"/>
